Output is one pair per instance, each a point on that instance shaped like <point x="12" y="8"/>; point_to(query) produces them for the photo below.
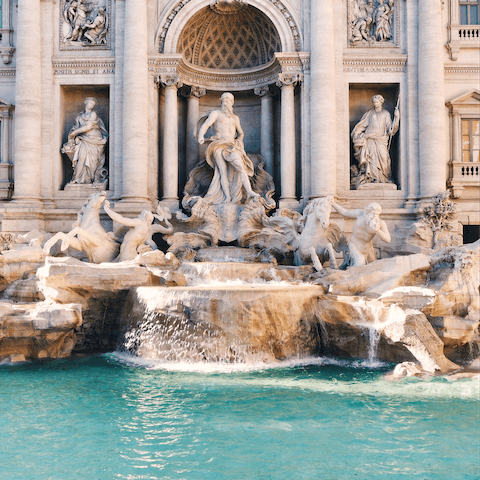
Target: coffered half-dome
<point x="242" y="39"/>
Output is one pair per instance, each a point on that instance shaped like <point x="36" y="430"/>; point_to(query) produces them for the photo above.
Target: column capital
<point x="289" y="79"/>
<point x="193" y="91"/>
<point x="263" y="91"/>
<point x="168" y="81"/>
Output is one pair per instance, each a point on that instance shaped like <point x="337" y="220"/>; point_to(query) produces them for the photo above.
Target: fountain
<point x="273" y="291"/>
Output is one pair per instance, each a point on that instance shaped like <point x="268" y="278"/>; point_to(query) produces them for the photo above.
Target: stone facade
<point x="302" y="71"/>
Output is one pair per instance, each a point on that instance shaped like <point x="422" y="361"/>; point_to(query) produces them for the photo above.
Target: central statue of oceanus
<point x="226" y="155"/>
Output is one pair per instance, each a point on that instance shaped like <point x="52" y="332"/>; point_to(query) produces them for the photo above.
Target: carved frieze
<point x="85" y="25"/>
<point x="84" y="67"/>
<point x="373" y="23"/>
<point x="397" y="63"/>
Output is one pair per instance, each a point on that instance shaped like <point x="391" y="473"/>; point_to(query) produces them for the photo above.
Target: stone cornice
<point x="7" y="72"/>
<point x="462" y="70"/>
<point x="391" y="63"/>
<point x="235" y="80"/>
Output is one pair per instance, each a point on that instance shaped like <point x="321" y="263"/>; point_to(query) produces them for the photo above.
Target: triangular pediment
<point x="470" y="98"/>
<point x="4" y="104"/>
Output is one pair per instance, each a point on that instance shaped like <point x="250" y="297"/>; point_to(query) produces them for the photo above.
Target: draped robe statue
<point x="86" y="146"/>
<point x="371" y="141"/>
<point x="226" y="155"/>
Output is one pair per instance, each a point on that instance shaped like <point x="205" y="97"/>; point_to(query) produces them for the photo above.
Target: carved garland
<point x="276" y="3"/>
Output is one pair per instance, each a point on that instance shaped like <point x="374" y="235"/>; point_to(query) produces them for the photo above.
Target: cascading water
<point x="166" y="332"/>
<point x="380" y="316"/>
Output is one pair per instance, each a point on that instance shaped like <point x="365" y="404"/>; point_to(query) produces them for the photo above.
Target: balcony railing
<point x="462" y="36"/>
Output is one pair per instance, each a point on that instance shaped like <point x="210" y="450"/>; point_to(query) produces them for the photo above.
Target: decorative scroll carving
<point x="197" y="91"/>
<point x="84" y="25"/>
<point x="168" y="81"/>
<point x="227" y="7"/>
<point x="373" y="23"/>
<point x="285" y="80"/>
<point x="262" y="91"/>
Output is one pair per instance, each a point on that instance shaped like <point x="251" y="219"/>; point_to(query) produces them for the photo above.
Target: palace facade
<point x="303" y="73"/>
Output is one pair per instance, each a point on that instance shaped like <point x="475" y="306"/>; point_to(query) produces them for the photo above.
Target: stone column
<point x="266" y="147"/>
<point x="28" y="108"/>
<point x="193" y="114"/>
<point x="135" y="103"/>
<point x="323" y="99"/>
<point x="287" y="140"/>
<point x="171" y="85"/>
<point x="431" y="99"/>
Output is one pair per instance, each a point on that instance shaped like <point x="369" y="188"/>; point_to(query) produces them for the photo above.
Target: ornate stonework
<point x="84" y="67"/>
<point x="283" y="10"/>
<point x="397" y="63"/>
<point x="248" y="79"/>
<point x="84" y="25"/>
<point x="373" y="23"/>
<point x="218" y="41"/>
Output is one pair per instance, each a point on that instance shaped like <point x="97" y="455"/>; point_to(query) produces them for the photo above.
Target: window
<point x="469" y="12"/>
<point x="471" y="233"/>
<point x="471" y="140"/>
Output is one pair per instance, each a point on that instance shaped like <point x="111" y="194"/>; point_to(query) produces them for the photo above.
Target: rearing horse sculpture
<point x="88" y="235"/>
<point x="319" y="237"/>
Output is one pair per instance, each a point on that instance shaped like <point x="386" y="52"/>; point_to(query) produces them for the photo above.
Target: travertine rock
<point x="66" y="280"/>
<point x="40" y="330"/>
<point x="418" y="336"/>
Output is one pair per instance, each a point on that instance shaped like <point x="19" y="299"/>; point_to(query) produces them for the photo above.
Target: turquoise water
<point x="110" y="417"/>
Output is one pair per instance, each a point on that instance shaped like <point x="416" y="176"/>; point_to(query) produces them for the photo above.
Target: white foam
<point x="379" y="386"/>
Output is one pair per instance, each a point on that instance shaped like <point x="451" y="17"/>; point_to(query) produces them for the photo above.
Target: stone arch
<point x="178" y="13"/>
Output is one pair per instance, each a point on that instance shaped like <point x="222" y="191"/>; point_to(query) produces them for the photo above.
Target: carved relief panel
<point x="85" y="25"/>
<point x="373" y="23"/>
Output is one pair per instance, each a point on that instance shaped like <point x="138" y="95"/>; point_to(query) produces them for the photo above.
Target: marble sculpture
<point x="367" y="225"/>
<point x="371" y="142"/>
<point x="86" y="146"/>
<point x="226" y="155"/>
<point x="84" y="23"/>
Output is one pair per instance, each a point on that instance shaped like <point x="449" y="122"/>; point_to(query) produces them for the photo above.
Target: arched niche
<point x="178" y="13"/>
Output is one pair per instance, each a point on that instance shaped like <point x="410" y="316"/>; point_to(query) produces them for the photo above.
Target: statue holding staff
<point x="371" y="142"/>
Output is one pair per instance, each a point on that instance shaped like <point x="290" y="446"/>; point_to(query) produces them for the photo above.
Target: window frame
<point x="468" y="4"/>
<point x="469" y="120"/>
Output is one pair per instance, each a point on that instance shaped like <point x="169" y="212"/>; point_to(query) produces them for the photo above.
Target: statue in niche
<point x="371" y="142"/>
<point x="370" y="21"/>
<point x="86" y="146"/>
<point x="226" y="155"/>
<point x="367" y="225"/>
<point x="84" y="23"/>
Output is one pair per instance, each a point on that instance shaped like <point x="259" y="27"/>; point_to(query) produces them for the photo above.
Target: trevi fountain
<point x="308" y="307"/>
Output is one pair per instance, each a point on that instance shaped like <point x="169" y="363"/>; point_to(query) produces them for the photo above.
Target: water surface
<point x="114" y="417"/>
